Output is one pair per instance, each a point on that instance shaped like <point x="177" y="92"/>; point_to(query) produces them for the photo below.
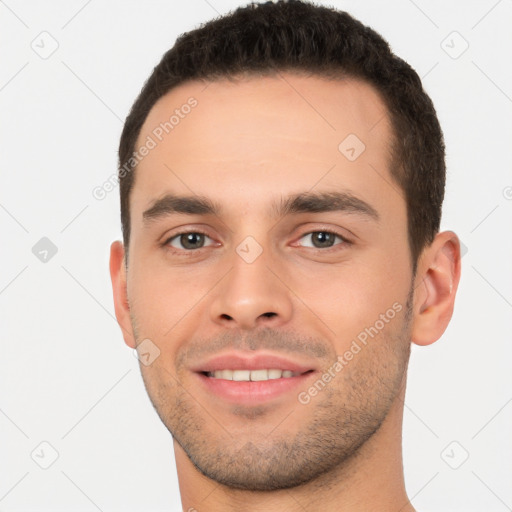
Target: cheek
<point x="350" y="300"/>
<point x="157" y="305"/>
<point x="164" y="300"/>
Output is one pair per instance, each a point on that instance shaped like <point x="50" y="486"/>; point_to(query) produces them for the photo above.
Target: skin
<point x="245" y="145"/>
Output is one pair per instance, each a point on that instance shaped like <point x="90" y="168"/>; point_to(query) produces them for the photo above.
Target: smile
<point x="251" y="375"/>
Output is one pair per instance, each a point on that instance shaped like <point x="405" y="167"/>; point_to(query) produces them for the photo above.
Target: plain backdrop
<point x="77" y="431"/>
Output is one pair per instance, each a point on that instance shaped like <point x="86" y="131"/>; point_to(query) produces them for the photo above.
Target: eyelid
<point x="185" y="231"/>
<point x="343" y="233"/>
<point x="344" y="239"/>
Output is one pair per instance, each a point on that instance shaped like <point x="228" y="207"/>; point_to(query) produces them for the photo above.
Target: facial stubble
<point x="263" y="455"/>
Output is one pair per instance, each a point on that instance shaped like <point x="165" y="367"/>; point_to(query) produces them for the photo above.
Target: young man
<point x="282" y="175"/>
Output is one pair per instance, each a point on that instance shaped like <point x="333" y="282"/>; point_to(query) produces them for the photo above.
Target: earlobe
<point x="119" y="289"/>
<point x="436" y="285"/>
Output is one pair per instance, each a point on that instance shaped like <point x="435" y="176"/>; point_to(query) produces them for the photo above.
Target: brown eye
<point x="188" y="241"/>
<point x="322" y="239"/>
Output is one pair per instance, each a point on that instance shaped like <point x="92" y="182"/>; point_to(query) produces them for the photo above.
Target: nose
<point x="252" y="295"/>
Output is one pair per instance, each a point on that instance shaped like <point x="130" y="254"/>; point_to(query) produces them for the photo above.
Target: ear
<point x="118" y="277"/>
<point x="436" y="282"/>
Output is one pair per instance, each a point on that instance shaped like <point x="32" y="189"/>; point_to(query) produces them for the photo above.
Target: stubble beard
<point x="346" y="414"/>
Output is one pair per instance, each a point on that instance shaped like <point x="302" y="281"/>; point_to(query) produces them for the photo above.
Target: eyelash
<point x="344" y="241"/>
<point x="176" y="235"/>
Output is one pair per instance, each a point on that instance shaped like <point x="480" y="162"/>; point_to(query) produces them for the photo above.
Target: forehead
<point x="253" y="134"/>
<point x="325" y="106"/>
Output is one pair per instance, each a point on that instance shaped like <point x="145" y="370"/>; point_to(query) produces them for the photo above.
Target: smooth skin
<point x="248" y="145"/>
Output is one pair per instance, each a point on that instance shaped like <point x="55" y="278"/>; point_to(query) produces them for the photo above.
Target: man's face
<point x="258" y="286"/>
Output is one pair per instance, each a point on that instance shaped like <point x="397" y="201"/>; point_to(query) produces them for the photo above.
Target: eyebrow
<point x="305" y="202"/>
<point x="318" y="202"/>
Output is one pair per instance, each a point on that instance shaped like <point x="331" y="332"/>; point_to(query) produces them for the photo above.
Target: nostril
<point x="268" y="315"/>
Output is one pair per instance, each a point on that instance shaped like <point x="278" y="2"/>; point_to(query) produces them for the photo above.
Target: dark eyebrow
<point x="317" y="202"/>
<point x="191" y="205"/>
<point x="305" y="202"/>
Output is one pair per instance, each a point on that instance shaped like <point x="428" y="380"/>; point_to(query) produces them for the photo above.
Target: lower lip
<point x="253" y="392"/>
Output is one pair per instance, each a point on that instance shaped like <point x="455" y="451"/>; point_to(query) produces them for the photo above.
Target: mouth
<point x="252" y="379"/>
<point x="253" y="375"/>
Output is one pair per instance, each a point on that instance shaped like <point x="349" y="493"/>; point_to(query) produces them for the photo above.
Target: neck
<point x="370" y="480"/>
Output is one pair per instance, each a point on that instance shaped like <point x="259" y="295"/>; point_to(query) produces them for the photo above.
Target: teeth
<point x="274" y="374"/>
<point x="226" y="374"/>
<point x="241" y="374"/>
<point x="259" y="375"/>
<point x="252" y="375"/>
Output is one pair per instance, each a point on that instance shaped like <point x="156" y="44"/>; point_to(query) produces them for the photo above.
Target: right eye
<point x="188" y="241"/>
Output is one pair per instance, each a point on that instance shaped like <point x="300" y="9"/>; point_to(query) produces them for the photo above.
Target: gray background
<point x="66" y="378"/>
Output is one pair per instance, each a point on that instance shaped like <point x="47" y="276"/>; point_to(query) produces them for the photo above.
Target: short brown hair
<point x="295" y="35"/>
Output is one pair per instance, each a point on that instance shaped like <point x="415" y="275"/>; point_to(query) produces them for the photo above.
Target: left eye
<point x="189" y="241"/>
<point x="322" y="239"/>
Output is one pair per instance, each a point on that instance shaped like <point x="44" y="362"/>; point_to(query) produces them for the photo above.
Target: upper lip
<point x="253" y="361"/>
